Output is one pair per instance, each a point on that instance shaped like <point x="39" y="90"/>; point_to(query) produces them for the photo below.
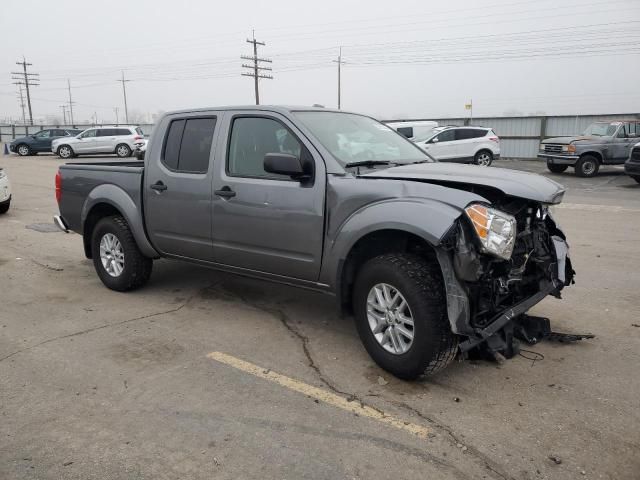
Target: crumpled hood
<point x="510" y="182"/>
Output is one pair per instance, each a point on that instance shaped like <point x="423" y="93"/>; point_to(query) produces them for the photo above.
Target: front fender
<point x="119" y="199"/>
<point x="428" y="219"/>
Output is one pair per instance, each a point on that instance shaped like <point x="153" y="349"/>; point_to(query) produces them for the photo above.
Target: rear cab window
<point x="187" y="145"/>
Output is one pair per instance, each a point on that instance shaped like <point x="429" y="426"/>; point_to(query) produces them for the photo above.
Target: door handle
<point x="158" y="186"/>
<point x="225" y="192"/>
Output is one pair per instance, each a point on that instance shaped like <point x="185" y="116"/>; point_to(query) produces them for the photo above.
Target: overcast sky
<point x="414" y="58"/>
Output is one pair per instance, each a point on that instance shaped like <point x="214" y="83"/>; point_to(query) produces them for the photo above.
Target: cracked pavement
<point x="99" y="384"/>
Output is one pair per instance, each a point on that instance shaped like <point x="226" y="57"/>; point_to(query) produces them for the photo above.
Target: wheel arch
<point x="106" y="200"/>
<point x="594" y="153"/>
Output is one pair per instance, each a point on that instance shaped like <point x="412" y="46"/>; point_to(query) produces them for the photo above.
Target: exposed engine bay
<point x="501" y="290"/>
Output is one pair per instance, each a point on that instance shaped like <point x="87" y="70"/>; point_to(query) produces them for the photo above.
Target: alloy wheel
<point x="390" y="318"/>
<point x="111" y="254"/>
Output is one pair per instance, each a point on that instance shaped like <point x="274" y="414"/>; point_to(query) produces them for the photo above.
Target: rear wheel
<point x="401" y="315"/>
<point x="23" y="150"/>
<point x="483" y="158"/>
<point x="123" y="150"/>
<point x="116" y="256"/>
<point x="65" y="151"/>
<point x="587" y="166"/>
<point x="555" y="168"/>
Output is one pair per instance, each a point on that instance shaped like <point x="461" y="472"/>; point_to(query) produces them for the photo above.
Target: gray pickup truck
<point x="430" y="258"/>
<point x="602" y="143"/>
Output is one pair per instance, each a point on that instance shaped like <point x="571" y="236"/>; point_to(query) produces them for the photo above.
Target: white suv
<point x="119" y="140"/>
<point x="5" y="192"/>
<point x="477" y="145"/>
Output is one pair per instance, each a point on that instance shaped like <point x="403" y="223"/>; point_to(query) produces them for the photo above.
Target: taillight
<point x="494" y="139"/>
<point x="137" y="137"/>
<point x="58" y="187"/>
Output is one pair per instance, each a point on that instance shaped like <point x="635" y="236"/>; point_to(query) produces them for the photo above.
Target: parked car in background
<point x="41" y="141"/>
<point x="109" y="140"/>
<point x="431" y="257"/>
<point x="632" y="165"/>
<point x="5" y="192"/>
<point x="602" y="143"/>
<point x="140" y="148"/>
<point x="411" y="129"/>
<point x="478" y="145"/>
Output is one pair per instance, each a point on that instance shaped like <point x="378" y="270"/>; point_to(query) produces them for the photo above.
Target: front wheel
<point x="555" y="168"/>
<point x="587" y="166"/>
<point x="4" y="206"/>
<point x="116" y="256"/>
<point x="65" y="151"/>
<point x="401" y="315"/>
<point x="123" y="150"/>
<point x="23" y="150"/>
<point x="483" y="158"/>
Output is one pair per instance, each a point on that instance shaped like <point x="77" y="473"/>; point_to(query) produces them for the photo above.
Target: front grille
<point x="553" y="148"/>
<point x="635" y="154"/>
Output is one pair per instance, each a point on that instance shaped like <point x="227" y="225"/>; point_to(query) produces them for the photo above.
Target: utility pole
<point x="115" y="109"/>
<point x="70" y="103"/>
<point x="256" y="66"/>
<point x="339" y="62"/>
<point x="19" y="84"/>
<point x="64" y="114"/>
<point x="28" y="80"/>
<point x="124" y="93"/>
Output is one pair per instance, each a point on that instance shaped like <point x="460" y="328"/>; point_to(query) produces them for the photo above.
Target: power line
<point x="256" y="66"/>
<point x="28" y="80"/>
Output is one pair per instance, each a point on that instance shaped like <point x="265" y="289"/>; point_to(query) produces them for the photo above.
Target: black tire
<point x="4" y="206"/>
<point x="123" y="150"/>
<point x="137" y="267"/>
<point x="23" y="150"/>
<point x="587" y="166"/>
<point x="555" y="168"/>
<point x="65" y="151"/>
<point x="420" y="282"/>
<point x="483" y="158"/>
<point x="636" y="178"/>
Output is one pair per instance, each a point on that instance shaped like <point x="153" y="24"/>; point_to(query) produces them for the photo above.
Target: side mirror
<point x="285" y="164"/>
<point x="434" y="140"/>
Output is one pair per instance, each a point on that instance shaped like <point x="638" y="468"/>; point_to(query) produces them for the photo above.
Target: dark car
<point x="632" y="165"/>
<point x="41" y="141"/>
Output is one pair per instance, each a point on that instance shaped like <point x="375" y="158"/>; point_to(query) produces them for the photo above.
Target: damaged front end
<point x="494" y="273"/>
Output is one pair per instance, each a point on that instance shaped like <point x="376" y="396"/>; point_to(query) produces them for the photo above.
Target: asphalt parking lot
<point x="205" y="375"/>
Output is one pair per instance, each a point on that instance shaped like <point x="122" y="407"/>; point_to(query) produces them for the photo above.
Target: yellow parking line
<point x="320" y="394"/>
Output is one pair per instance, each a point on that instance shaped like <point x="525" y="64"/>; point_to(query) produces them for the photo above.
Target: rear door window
<point x="188" y="145"/>
<point x="468" y="133"/>
<point x="405" y="131"/>
<point x="121" y="131"/>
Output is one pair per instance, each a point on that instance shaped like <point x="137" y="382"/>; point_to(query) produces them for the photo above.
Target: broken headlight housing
<point x="495" y="230"/>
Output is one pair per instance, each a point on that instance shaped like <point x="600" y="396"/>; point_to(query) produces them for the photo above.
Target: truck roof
<point x="266" y="108"/>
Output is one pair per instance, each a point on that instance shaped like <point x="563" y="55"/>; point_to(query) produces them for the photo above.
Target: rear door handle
<point x="158" y="186"/>
<point x="225" y="192"/>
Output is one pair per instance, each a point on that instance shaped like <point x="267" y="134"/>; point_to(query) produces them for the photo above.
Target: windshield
<point x="354" y="138"/>
<point x="601" y="129"/>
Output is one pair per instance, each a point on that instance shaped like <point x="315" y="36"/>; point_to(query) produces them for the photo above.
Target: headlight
<point x="569" y="148"/>
<point x="542" y="147"/>
<point x="496" y="230"/>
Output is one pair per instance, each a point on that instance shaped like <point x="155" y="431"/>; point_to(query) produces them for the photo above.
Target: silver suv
<point x="478" y="145"/>
<point x="119" y="140"/>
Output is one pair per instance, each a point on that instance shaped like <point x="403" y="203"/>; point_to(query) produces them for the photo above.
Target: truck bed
<point x="84" y="184"/>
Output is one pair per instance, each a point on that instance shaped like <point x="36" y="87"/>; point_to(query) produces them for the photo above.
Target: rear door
<point x="177" y="186"/>
<point x="104" y="138"/>
<point x="262" y="221"/>
<point x="466" y="143"/>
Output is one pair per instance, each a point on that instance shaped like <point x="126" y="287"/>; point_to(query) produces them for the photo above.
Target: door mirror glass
<point x="284" y="164"/>
<point x="434" y="140"/>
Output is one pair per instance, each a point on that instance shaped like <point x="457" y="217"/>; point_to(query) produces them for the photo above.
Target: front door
<point x="622" y="142"/>
<point x="442" y="146"/>
<point x="177" y="186"/>
<point x="86" y="142"/>
<point x="262" y="221"/>
<point x="42" y="141"/>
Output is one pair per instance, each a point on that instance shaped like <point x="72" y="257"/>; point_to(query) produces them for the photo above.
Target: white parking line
<point x="325" y="396"/>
